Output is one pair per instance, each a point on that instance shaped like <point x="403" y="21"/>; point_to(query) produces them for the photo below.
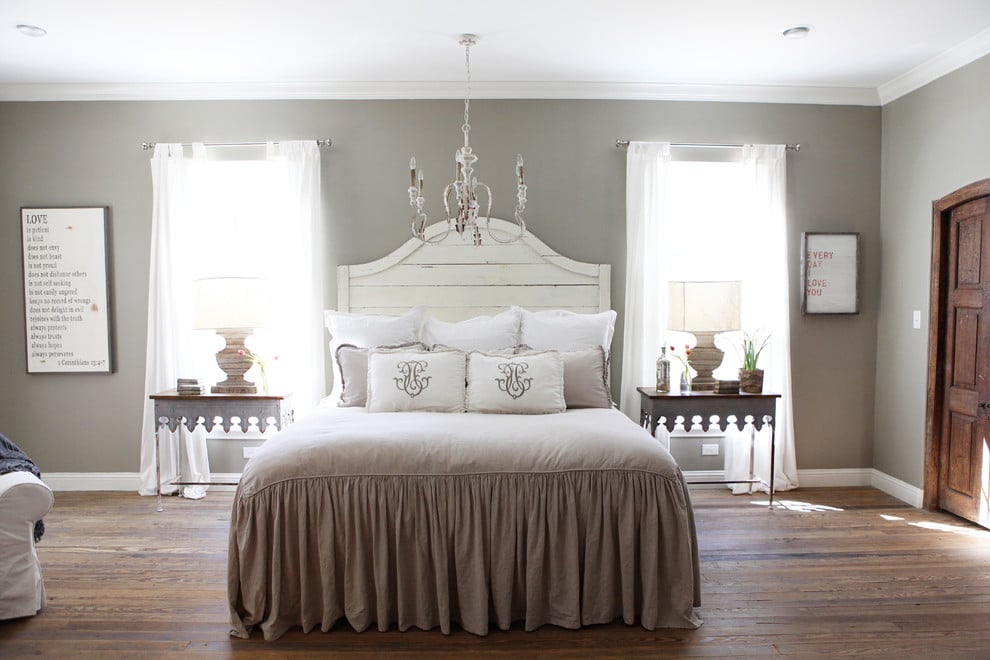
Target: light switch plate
<point x="916" y="319"/>
<point x="709" y="450"/>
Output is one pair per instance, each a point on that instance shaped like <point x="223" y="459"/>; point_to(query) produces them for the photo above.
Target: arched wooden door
<point x="957" y="461"/>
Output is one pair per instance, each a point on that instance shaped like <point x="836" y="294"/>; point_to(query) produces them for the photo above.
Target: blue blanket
<point x="12" y="459"/>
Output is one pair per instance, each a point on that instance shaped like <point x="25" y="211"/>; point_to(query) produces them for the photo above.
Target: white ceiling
<point x="859" y="51"/>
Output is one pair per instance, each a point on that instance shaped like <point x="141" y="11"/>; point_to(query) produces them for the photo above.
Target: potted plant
<point x="750" y="376"/>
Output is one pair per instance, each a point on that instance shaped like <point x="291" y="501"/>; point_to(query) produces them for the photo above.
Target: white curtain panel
<point x="765" y="306"/>
<point x="169" y="322"/>
<point x="282" y="223"/>
<point x="647" y="182"/>
<point x="298" y="280"/>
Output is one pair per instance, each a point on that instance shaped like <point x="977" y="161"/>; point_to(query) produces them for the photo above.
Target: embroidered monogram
<point x="412" y="381"/>
<point x="514" y="384"/>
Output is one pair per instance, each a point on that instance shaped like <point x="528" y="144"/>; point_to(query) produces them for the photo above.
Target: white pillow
<point x="531" y="383"/>
<point x="481" y="333"/>
<point x="368" y="331"/>
<point x="416" y="380"/>
<point x="371" y="330"/>
<point x="586" y="378"/>
<point x="561" y="330"/>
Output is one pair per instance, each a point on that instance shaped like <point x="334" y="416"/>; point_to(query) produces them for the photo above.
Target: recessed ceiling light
<point x="31" y="30"/>
<point x="797" y="32"/>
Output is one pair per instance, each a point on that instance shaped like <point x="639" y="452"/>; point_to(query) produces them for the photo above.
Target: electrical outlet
<point x="249" y="451"/>
<point x="709" y="450"/>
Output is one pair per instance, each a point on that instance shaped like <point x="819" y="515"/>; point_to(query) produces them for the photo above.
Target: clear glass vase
<point x="685" y="381"/>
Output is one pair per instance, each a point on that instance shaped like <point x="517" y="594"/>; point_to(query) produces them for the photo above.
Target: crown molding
<point x="819" y="95"/>
<point x="956" y="57"/>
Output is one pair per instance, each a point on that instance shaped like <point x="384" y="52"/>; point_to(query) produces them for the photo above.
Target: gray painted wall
<point x="935" y="140"/>
<point x="87" y="153"/>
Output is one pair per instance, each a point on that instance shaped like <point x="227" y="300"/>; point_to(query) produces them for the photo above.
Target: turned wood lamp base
<point x="233" y="363"/>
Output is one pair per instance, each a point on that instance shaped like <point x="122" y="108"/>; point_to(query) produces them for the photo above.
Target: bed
<point x="396" y="507"/>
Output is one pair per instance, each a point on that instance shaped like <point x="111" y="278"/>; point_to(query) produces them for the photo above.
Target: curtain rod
<point x="622" y="144"/>
<point x="324" y="142"/>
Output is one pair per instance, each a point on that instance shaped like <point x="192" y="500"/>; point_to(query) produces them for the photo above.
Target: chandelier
<point x="460" y="197"/>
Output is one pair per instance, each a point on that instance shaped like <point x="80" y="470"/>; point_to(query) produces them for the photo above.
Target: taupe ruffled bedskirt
<point x="567" y="548"/>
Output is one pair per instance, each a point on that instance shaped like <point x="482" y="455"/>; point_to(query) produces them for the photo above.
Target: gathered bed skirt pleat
<point x="564" y="548"/>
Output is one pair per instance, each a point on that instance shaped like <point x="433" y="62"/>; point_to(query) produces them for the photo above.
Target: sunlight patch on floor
<point x="955" y="529"/>
<point x="886" y="517"/>
<point x="801" y="507"/>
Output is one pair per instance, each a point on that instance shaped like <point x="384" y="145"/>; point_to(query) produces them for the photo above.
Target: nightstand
<point x="173" y="409"/>
<point x="655" y="405"/>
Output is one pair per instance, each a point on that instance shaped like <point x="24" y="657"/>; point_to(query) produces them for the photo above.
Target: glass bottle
<point x="663" y="371"/>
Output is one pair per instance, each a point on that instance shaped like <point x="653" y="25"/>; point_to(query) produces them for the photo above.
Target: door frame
<point x="937" y="330"/>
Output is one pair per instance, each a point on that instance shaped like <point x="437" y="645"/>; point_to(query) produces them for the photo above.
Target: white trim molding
<point x="89" y="481"/>
<point x="834" y="478"/>
<point x="114" y="481"/>
<point x="362" y="91"/>
<point x="897" y="488"/>
<point x="957" y="57"/>
<point x="849" y="477"/>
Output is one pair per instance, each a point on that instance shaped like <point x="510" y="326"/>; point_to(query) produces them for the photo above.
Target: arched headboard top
<point x="458" y="280"/>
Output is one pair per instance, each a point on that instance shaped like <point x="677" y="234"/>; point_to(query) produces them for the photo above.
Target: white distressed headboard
<point x="458" y="280"/>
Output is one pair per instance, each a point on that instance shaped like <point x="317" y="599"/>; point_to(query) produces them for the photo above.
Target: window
<point x="706" y="238"/>
<point x="236" y="230"/>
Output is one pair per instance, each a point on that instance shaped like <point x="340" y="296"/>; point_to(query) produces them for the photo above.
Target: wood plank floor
<point x="835" y="571"/>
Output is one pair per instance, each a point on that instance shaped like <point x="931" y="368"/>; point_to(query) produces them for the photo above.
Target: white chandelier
<point x="465" y="187"/>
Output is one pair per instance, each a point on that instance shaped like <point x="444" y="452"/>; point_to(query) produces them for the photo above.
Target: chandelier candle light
<point x="463" y="191"/>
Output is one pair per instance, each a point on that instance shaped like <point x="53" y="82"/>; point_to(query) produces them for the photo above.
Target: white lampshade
<point x="231" y="302"/>
<point x="704" y="306"/>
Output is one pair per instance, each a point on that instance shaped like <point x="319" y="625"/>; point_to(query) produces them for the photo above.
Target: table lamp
<point x="234" y="307"/>
<point x="704" y="309"/>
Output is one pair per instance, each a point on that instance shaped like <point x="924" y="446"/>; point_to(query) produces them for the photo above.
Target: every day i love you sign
<point x="66" y="290"/>
<point x="830" y="273"/>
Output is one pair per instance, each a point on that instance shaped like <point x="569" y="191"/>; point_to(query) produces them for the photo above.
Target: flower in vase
<point x="262" y="363"/>
<point x="684" y="357"/>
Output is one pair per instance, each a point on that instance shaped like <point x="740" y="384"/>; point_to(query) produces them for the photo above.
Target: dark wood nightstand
<point x="173" y="409"/>
<point x="655" y="405"/>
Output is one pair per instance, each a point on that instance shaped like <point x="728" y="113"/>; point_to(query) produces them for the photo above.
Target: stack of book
<point x="189" y="386"/>
<point x="726" y="387"/>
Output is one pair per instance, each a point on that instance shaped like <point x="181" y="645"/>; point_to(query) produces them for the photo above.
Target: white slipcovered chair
<point x="24" y="499"/>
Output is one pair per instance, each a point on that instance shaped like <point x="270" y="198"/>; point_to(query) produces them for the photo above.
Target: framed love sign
<point x="66" y="289"/>
<point x="829" y="273"/>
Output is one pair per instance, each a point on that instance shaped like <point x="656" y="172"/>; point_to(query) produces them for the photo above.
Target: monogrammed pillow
<point x="353" y="364"/>
<point x="532" y="383"/>
<point x="401" y="381"/>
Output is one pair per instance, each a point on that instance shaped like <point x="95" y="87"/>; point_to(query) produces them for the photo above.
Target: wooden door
<point x="961" y="365"/>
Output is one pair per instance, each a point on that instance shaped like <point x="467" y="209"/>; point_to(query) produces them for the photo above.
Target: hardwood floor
<point x="835" y="571"/>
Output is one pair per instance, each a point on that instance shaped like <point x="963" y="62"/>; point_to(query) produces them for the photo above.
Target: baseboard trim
<point x="833" y="478"/>
<point x="837" y="478"/>
<point x="115" y="481"/>
<point x="897" y="488"/>
<point x="123" y="481"/>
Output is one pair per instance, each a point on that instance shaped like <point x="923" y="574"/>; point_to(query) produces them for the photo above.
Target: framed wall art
<point x="830" y="273"/>
<point x="66" y="289"/>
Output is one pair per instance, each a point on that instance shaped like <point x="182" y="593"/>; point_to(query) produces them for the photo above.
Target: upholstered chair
<point x="24" y="499"/>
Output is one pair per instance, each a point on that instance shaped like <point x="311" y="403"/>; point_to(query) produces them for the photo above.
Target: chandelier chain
<point x="467" y="97"/>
